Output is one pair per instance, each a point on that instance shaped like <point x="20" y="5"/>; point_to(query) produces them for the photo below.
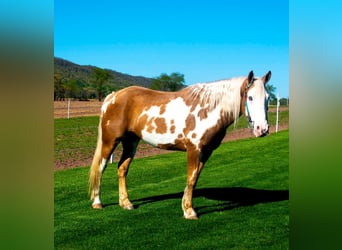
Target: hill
<point x="73" y="80"/>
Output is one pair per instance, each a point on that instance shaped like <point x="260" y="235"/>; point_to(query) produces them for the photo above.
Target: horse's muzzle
<point x="265" y="132"/>
<point x="259" y="131"/>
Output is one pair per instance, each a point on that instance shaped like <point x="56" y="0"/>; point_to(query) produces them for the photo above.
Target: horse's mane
<point x="225" y="93"/>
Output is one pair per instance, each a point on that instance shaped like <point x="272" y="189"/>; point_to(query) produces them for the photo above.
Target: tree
<point x="172" y="82"/>
<point x="59" y="89"/>
<point x="271" y="91"/>
<point x="71" y="88"/>
<point x="101" y="77"/>
<point x="284" y="101"/>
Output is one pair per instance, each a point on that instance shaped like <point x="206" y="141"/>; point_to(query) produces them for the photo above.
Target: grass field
<point x="241" y="199"/>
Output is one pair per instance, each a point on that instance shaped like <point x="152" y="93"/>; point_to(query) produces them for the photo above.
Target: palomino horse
<point x="193" y="119"/>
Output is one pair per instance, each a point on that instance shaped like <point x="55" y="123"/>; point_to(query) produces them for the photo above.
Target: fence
<point x="69" y="108"/>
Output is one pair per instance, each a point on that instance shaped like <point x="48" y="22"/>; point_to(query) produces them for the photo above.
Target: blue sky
<point x="204" y="40"/>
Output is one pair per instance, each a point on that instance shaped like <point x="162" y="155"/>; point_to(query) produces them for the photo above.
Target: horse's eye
<point x="250" y="98"/>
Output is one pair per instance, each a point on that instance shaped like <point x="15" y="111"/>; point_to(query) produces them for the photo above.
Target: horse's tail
<point x="94" y="173"/>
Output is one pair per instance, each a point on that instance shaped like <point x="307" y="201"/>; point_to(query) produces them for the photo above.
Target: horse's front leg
<point x="124" y="202"/>
<point x="194" y="169"/>
<point x="129" y="143"/>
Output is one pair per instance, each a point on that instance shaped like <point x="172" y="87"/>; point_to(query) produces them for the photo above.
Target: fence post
<point x="278" y="104"/>
<point x="68" y="108"/>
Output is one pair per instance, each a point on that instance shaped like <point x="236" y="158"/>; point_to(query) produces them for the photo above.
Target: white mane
<point x="223" y="93"/>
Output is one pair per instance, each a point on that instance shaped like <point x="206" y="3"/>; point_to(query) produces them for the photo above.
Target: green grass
<point x="241" y="199"/>
<point x="75" y="138"/>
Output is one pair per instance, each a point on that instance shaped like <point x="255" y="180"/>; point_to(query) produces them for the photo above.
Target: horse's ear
<point x="249" y="81"/>
<point x="250" y="77"/>
<point x="267" y="77"/>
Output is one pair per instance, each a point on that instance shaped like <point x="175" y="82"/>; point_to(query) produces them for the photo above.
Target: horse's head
<point x="256" y="103"/>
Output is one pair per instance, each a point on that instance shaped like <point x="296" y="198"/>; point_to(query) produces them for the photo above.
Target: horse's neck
<point x="227" y="118"/>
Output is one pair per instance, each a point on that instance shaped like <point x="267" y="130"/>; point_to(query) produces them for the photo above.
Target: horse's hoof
<point x="128" y="207"/>
<point x="97" y="206"/>
<point x="126" y="204"/>
<point x="192" y="217"/>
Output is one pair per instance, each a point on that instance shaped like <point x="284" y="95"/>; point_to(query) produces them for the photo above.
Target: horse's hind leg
<point x="129" y="142"/>
<point x="102" y="153"/>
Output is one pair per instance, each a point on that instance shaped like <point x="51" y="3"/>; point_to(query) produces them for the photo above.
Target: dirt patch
<point x="76" y="108"/>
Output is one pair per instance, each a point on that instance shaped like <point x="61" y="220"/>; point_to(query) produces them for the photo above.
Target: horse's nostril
<point x="257" y="127"/>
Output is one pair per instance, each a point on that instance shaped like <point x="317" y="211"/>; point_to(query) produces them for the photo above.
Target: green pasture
<point x="242" y="198"/>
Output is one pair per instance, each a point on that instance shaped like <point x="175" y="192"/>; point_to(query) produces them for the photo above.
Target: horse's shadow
<point x="234" y="197"/>
<point x="227" y="198"/>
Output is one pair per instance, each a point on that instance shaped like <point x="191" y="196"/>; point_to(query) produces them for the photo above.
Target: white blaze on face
<point x="175" y="116"/>
<point x="257" y="104"/>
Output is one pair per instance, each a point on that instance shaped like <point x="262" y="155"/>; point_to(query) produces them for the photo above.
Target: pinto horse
<point x="193" y="119"/>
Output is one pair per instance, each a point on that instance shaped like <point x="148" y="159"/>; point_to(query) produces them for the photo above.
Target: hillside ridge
<point x="66" y="71"/>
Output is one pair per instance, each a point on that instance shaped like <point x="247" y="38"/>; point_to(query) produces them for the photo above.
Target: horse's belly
<point x="158" y="140"/>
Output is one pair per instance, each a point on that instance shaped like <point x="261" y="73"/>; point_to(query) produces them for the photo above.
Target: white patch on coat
<point x="177" y="111"/>
<point x="172" y="112"/>
<point x="96" y="200"/>
<point x="103" y="165"/>
<point x="110" y="99"/>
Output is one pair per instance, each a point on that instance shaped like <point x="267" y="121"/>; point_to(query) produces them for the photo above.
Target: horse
<point x="193" y="119"/>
